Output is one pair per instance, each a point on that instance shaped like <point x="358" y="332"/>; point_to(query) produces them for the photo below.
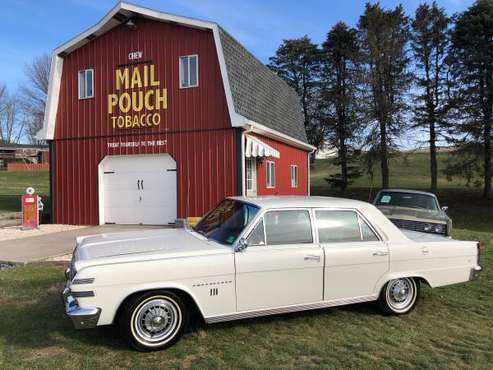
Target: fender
<point x="108" y="315"/>
<point x="397" y="275"/>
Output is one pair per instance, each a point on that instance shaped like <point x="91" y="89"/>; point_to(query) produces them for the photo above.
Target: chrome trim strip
<point x="83" y="281"/>
<point x="293" y="308"/>
<point x="83" y="294"/>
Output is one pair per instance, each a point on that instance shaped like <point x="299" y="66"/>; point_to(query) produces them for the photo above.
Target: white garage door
<point x="138" y="189"/>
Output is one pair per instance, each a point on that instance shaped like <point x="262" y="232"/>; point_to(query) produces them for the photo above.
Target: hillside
<point x="411" y="171"/>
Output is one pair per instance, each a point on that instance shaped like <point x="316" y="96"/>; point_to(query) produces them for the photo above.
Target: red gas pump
<point x="30" y="214"/>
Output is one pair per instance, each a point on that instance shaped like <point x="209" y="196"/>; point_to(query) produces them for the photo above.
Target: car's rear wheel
<point x="154" y="320"/>
<point x="399" y="296"/>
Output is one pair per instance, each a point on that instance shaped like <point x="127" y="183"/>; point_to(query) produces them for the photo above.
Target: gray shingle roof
<point x="259" y="94"/>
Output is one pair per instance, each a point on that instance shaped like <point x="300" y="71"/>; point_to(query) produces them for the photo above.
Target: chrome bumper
<point x="82" y="318"/>
<point x="475" y="271"/>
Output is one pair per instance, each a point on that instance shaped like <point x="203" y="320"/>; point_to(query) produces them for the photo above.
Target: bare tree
<point x="34" y="94"/>
<point x="11" y="127"/>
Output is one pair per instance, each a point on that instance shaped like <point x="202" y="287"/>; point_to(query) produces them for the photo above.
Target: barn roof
<point x="258" y="93"/>
<point x="258" y="100"/>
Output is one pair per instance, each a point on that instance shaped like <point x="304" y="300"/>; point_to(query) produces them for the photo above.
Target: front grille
<point x="420" y="226"/>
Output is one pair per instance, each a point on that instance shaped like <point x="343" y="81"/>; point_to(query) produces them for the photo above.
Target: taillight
<point x="479" y="251"/>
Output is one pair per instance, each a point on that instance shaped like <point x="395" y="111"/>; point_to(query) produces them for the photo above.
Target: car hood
<point x="413" y="213"/>
<point x="147" y="244"/>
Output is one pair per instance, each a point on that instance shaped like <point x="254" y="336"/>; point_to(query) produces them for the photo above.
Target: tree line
<point x="392" y="75"/>
<point x="22" y="111"/>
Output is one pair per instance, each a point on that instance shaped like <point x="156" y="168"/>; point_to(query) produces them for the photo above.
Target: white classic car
<point x="252" y="257"/>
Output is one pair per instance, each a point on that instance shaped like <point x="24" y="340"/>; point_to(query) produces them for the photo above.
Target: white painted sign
<point x="137" y="144"/>
<point x="135" y="55"/>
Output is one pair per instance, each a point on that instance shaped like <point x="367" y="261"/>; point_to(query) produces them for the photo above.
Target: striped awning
<point x="257" y="148"/>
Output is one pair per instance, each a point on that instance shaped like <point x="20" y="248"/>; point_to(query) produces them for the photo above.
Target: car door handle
<point x="380" y="253"/>
<point x="425" y="250"/>
<point x="312" y="257"/>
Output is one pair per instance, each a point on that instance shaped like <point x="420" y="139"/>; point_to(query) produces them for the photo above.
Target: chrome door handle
<point x="380" y="253"/>
<point x="425" y="250"/>
<point x="312" y="257"/>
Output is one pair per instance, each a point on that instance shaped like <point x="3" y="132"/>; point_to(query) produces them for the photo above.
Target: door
<point x="138" y="189"/>
<point x="282" y="265"/>
<point x="251" y="177"/>
<point x="355" y="257"/>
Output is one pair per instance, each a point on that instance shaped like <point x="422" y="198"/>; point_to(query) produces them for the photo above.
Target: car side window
<point x="367" y="233"/>
<point x="257" y="236"/>
<point x="342" y="226"/>
<point x="288" y="227"/>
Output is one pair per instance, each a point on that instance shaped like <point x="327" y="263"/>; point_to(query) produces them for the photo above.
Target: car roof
<point x="288" y="201"/>
<point x="407" y="191"/>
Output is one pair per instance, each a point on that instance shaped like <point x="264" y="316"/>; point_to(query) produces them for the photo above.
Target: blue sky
<point x="33" y="27"/>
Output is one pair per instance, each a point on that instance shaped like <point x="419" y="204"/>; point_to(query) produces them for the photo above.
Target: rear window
<point x="342" y="226"/>
<point x="407" y="200"/>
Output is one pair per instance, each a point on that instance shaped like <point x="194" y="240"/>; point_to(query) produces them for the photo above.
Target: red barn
<point x="153" y="117"/>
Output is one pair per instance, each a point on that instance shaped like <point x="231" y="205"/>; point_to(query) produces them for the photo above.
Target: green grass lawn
<point x="452" y="327"/>
<point x="14" y="184"/>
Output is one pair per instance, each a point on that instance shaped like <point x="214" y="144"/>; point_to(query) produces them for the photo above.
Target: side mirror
<point x="241" y="245"/>
<point x="444" y="208"/>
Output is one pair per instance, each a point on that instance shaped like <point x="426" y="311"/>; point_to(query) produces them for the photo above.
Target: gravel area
<point x="63" y="257"/>
<point x="16" y="232"/>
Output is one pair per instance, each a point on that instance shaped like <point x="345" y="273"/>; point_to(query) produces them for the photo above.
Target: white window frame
<point x="180" y="74"/>
<point x="251" y="177"/>
<point x="294" y="180"/>
<point x="84" y="73"/>
<point x="272" y="183"/>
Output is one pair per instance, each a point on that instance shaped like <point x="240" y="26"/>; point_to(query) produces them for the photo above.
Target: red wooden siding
<point x="162" y="44"/>
<point x="288" y="156"/>
<point x="206" y="163"/>
<point x="196" y="123"/>
<point x="16" y="167"/>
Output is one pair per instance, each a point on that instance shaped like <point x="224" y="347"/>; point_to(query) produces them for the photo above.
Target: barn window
<point x="86" y="83"/>
<point x="189" y="71"/>
<point x="271" y="174"/>
<point x="294" y="176"/>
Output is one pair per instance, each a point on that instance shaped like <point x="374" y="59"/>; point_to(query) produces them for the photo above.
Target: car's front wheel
<point x="154" y="320"/>
<point x="399" y="296"/>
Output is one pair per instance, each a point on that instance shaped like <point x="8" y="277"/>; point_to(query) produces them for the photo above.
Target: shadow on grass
<point x="368" y="308"/>
<point x="33" y="323"/>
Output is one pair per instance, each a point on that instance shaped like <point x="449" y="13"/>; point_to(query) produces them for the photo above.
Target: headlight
<point x="428" y="228"/>
<point x="439" y="229"/>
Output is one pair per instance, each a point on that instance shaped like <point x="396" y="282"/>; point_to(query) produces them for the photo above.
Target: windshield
<point x="226" y="222"/>
<point x="408" y="200"/>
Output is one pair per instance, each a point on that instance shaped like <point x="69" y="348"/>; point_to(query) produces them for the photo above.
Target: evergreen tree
<point x="384" y="37"/>
<point x="430" y="41"/>
<point x="472" y="70"/>
<point x="297" y="61"/>
<point x="338" y="100"/>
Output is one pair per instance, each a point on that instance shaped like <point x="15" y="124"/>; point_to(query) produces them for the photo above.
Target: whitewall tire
<point x="153" y="321"/>
<point x="399" y="296"/>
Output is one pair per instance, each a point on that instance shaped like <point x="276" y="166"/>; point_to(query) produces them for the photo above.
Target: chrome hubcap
<point x="156" y="320"/>
<point x="400" y="294"/>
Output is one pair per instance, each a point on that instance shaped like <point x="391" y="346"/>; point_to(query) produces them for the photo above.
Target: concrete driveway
<point x="42" y="247"/>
